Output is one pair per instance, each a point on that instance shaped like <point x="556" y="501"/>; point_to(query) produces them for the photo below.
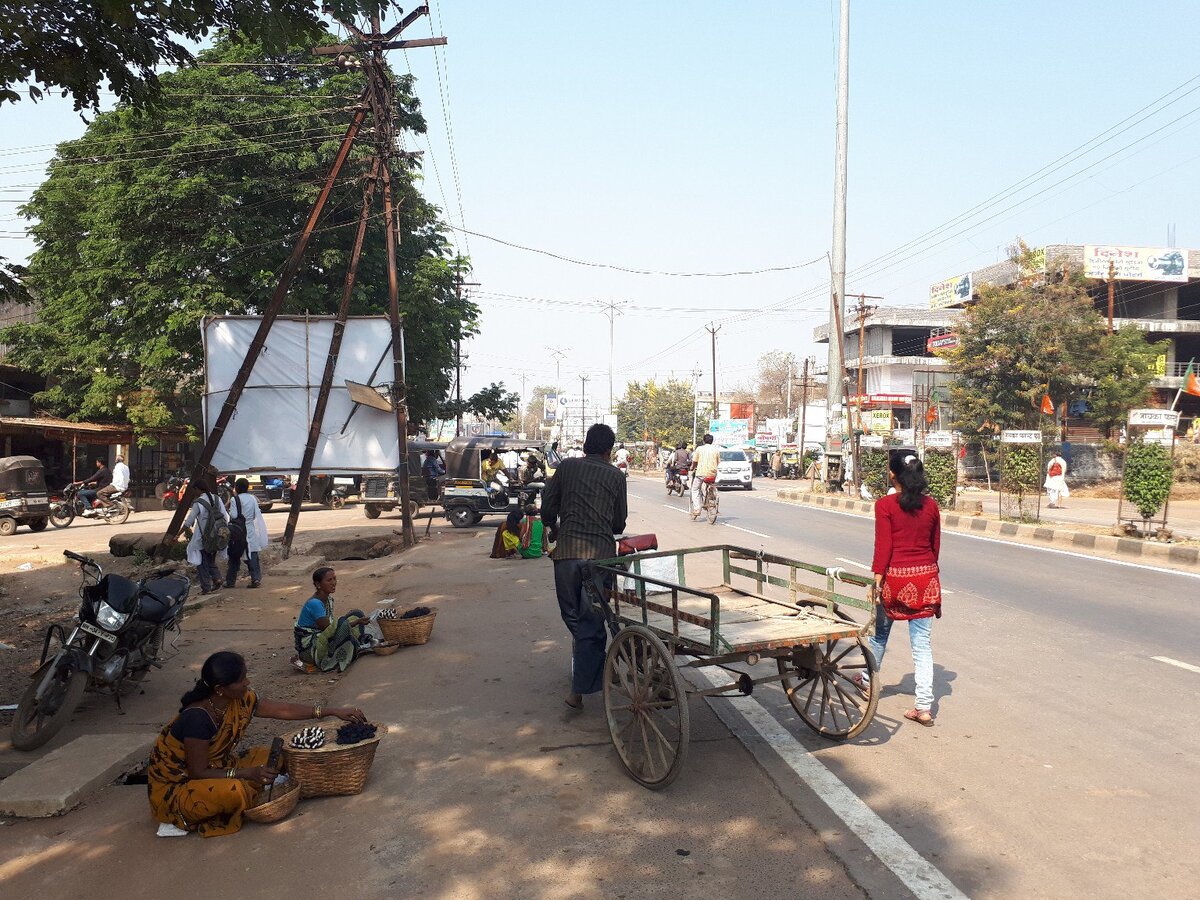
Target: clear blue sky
<point x="698" y="137"/>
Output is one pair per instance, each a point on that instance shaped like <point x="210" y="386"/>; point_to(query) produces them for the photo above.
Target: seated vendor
<point x="507" y="542"/>
<point x="196" y="779"/>
<point x="532" y="530"/>
<point x="322" y="641"/>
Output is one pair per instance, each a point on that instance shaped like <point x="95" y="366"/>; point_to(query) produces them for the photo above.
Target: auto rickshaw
<point x="23" y="497"/>
<point x="467" y="499"/>
<point x="381" y="493"/>
<point x="791" y="466"/>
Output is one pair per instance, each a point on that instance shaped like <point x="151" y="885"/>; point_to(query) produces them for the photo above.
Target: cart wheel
<point x="646" y="707"/>
<point x="8" y="526"/>
<point x="826" y="699"/>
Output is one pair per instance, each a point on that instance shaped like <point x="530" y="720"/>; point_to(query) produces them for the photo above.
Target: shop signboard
<point x="941" y="342"/>
<point x="1013" y="436"/>
<point x="730" y="432"/>
<point x="903" y="436"/>
<point x="871" y="440"/>
<point x="940" y="440"/>
<point x="1154" y="418"/>
<point x="954" y="291"/>
<point x="1135" y="263"/>
<point x="550" y="408"/>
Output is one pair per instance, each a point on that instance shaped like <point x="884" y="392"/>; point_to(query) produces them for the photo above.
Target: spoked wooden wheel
<point x="646" y="707"/>
<point x="825" y="696"/>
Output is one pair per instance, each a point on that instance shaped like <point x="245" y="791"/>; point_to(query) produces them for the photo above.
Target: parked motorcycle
<point x="113" y="510"/>
<point x="118" y="634"/>
<point x="677" y="483"/>
<point x="174" y="490"/>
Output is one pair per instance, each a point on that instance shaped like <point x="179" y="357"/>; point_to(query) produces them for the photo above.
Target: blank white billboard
<point x="270" y="427"/>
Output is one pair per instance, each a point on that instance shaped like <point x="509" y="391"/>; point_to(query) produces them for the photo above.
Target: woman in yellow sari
<point x="197" y="779"/>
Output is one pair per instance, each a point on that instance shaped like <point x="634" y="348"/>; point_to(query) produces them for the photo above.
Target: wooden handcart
<point x="763" y="607"/>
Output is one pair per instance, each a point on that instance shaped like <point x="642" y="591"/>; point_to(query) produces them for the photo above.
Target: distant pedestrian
<point x="202" y="549"/>
<point x="584" y="505"/>
<point x="247" y="534"/>
<point x="908" y="537"/>
<point x="1056" y="481"/>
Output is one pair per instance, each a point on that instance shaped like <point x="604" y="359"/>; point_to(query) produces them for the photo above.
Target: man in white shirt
<point x="622" y="456"/>
<point x="120" y="480"/>
<point x="704" y="465"/>
<point x="247" y="534"/>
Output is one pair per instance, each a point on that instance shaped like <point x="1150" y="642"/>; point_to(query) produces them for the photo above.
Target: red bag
<point x="1055" y="469"/>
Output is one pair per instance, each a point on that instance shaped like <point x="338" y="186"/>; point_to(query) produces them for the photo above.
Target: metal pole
<point x="583" y="379"/>
<point x="788" y="410"/>
<point x="1111" y="270"/>
<point x="716" y="411"/>
<point x="838" y="261"/>
<point x="803" y="413"/>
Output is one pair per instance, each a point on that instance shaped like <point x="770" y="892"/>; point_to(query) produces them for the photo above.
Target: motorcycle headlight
<point x="109" y="618"/>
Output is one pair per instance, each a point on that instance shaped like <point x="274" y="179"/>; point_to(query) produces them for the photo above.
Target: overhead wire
<point x="444" y="92"/>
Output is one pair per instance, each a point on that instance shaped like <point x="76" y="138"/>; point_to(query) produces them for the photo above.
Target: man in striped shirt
<point x="584" y="505"/>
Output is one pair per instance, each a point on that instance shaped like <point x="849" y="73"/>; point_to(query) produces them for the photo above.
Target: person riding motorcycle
<point x="679" y="461"/>
<point x="101" y="479"/>
<point x="119" y="483"/>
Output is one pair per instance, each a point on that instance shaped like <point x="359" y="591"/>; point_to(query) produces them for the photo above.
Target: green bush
<point x="874" y="462"/>
<point x="1148" y="475"/>
<point x="942" y="472"/>
<point x="1021" y="469"/>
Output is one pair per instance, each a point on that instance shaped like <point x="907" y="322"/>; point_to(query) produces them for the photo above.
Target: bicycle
<point x="710" y="501"/>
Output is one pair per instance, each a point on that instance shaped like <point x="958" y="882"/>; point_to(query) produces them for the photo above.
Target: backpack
<point x="237" y="527"/>
<point x="1055" y="469"/>
<point x="214" y="537"/>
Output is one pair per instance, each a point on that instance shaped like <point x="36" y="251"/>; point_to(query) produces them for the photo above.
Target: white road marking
<point x="677" y="508"/>
<point x="635" y="496"/>
<point x="978" y="537"/>
<point x="747" y="530"/>
<point x="1175" y="662"/>
<point x="918" y="875"/>
<point x="852" y="562"/>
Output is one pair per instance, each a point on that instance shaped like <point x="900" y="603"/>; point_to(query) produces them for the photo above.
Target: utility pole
<point x="788" y="406"/>
<point x="558" y="353"/>
<point x="583" y="380"/>
<point x="458" y="410"/>
<point x="862" y="310"/>
<point x="1111" y="272"/>
<point x="612" y="309"/>
<point x="803" y="412"/>
<point x="524" y="374"/>
<point x="696" y="373"/>
<point x="712" y="330"/>
<point x="838" y="259"/>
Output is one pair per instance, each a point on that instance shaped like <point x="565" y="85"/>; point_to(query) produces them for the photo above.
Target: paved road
<point x="1063" y="761"/>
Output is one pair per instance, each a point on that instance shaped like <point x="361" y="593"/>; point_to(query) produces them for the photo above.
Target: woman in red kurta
<point x="908" y="537"/>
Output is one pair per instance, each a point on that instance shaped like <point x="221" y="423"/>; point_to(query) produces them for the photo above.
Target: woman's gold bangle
<point x="316" y="712"/>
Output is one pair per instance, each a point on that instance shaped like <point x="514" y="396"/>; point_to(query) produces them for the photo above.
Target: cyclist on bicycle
<point x="704" y="466"/>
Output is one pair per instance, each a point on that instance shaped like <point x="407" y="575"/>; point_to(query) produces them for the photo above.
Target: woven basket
<point x="283" y="801"/>
<point x="335" y="769"/>
<point x="386" y="649"/>
<point x="408" y="632"/>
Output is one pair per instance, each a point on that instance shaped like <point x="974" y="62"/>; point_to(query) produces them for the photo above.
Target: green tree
<point x="774" y="370"/>
<point x="491" y="402"/>
<point x="1018" y="344"/>
<point x="158" y="218"/>
<point x="656" y="412"/>
<point x="78" y="46"/>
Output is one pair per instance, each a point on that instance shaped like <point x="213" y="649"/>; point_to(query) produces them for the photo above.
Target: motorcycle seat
<point x="162" y="598"/>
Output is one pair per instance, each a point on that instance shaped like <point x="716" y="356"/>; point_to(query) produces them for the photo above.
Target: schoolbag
<point x="1055" y="469"/>
<point x="214" y="537"/>
<point x="237" y="527"/>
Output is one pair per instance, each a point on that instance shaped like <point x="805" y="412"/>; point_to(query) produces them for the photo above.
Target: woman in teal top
<point x="321" y="640"/>
<point x="531" y="534"/>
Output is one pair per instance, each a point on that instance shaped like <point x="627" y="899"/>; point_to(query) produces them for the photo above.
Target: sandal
<point x="920" y="716"/>
<point x="864" y="686"/>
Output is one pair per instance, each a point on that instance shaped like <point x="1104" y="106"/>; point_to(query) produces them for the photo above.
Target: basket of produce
<point x="283" y="800"/>
<point x="408" y="628"/>
<point x="387" y="648"/>
<point x="332" y="759"/>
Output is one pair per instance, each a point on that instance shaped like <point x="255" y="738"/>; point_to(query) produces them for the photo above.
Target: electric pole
<point x="583" y="380"/>
<point x="712" y="330"/>
<point x="838" y="258"/>
<point x="523" y="403"/>
<point x="803" y="412"/>
<point x="458" y="407"/>
<point x="696" y="373"/>
<point x="612" y="309"/>
<point x="862" y="310"/>
<point x="1111" y="272"/>
<point x="558" y="353"/>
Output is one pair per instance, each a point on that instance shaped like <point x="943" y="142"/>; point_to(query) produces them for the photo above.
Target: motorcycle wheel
<point x="36" y="723"/>
<point x="117" y="515"/>
<point x="61" y="515"/>
<point x="170" y="503"/>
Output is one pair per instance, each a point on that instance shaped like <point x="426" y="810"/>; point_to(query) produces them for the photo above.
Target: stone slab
<point x="295" y="566"/>
<point x="66" y="777"/>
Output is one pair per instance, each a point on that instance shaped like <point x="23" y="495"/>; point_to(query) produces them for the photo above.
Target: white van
<point x="735" y="470"/>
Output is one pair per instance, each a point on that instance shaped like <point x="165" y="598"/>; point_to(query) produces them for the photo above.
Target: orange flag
<point x="931" y="415"/>
<point x="1191" y="384"/>
<point x="1047" y="405"/>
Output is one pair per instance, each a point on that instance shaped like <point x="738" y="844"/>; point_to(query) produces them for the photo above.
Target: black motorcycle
<point x="112" y="510"/>
<point x="118" y="634"/>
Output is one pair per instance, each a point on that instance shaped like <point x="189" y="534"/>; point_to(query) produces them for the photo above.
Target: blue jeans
<point x="88" y="496"/>
<point x="587" y="627"/>
<point x="919" y="633"/>
<point x="210" y="575"/>
<point x="252" y="566"/>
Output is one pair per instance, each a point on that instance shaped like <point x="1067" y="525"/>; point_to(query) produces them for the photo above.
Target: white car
<point x="735" y="470"/>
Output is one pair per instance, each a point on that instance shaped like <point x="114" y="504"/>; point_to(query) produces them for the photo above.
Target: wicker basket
<point x="335" y="769"/>
<point x="283" y="801"/>
<point x="408" y="632"/>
